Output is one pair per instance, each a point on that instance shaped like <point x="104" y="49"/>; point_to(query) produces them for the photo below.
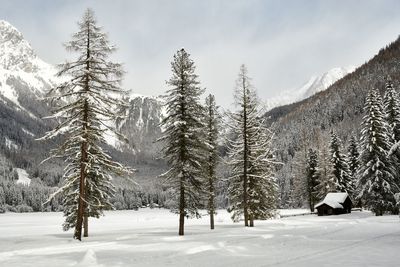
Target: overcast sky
<point x="283" y="43"/>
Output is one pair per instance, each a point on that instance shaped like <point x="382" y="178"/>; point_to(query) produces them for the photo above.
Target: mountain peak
<point x="314" y="85"/>
<point x="15" y="51"/>
<point x="8" y="33"/>
<point x="318" y="84"/>
<point x="22" y="72"/>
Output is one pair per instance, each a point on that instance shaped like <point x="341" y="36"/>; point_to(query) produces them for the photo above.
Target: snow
<point x="333" y="200"/>
<point x="336" y="197"/>
<point x="19" y="61"/>
<point x="314" y="85"/>
<point x="163" y="111"/>
<point x="149" y="238"/>
<point x="112" y="139"/>
<point x="327" y="79"/>
<point x="10" y="144"/>
<point x="27" y="132"/>
<point x="23" y="177"/>
<point x="134" y="96"/>
<point x="289" y="212"/>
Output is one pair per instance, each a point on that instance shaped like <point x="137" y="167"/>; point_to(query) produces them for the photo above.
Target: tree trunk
<point x="211" y="198"/>
<point x="182" y="209"/>
<point x="78" y="226"/>
<point x="212" y="219"/>
<point x="251" y="218"/>
<point x="81" y="204"/>
<point x="86" y="214"/>
<point x="84" y="148"/>
<point x="245" y="212"/>
<point x="311" y="204"/>
<point x="86" y="225"/>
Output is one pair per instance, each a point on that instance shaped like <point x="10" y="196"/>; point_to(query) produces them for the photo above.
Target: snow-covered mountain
<point x="142" y="123"/>
<point x="314" y="85"/>
<point x="24" y="78"/>
<point x="23" y="75"/>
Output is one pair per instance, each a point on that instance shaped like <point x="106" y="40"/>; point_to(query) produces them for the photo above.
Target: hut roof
<point x="334" y="200"/>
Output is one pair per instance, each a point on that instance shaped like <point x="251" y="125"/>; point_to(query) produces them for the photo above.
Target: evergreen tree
<point x="353" y="162"/>
<point x="340" y="166"/>
<point x="392" y="111"/>
<point x="211" y="155"/>
<point x="299" y="193"/>
<point x="326" y="181"/>
<point x="312" y="172"/>
<point x="183" y="138"/>
<point x="86" y="104"/>
<point x="353" y="155"/>
<point x="376" y="182"/>
<point x="243" y="124"/>
<point x="249" y="157"/>
<point x="392" y="116"/>
<point x="262" y="190"/>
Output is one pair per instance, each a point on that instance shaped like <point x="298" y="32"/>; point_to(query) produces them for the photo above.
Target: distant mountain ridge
<point x="334" y="99"/>
<point x="142" y="123"/>
<point x="314" y="85"/>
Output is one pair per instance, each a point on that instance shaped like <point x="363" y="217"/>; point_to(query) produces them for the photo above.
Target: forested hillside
<point x="298" y="127"/>
<point x="307" y="124"/>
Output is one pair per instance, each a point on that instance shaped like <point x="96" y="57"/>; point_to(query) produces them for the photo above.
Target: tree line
<point x="89" y="102"/>
<point x="369" y="168"/>
<point x="190" y="147"/>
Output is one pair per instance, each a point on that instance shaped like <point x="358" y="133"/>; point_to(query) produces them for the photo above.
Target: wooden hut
<point x="334" y="204"/>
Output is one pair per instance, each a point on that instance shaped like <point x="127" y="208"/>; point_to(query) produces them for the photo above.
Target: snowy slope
<point x="24" y="78"/>
<point x="23" y="177"/>
<point x="142" y="123"/>
<point x="314" y="85"/>
<point x="149" y="238"/>
<point x="141" y="114"/>
<point x="21" y="70"/>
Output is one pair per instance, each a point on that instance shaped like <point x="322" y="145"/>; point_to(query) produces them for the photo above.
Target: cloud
<point x="283" y="43"/>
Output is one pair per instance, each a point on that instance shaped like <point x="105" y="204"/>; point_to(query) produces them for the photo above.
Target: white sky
<point x="282" y="43"/>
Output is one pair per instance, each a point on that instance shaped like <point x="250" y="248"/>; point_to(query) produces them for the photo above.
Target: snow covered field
<point x="149" y="238"/>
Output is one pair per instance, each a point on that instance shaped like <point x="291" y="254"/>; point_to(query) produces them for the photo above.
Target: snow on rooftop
<point x="338" y="197"/>
<point x="333" y="200"/>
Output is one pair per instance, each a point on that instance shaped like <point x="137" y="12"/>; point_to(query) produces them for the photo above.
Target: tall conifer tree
<point x="326" y="181"/>
<point x="312" y="173"/>
<point x="376" y="180"/>
<point x="391" y="102"/>
<point x="183" y="139"/>
<point x="340" y="166"/>
<point x="211" y="153"/>
<point x="353" y="155"/>
<point x="86" y="104"/>
<point x="262" y="183"/>
<point x="249" y="155"/>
